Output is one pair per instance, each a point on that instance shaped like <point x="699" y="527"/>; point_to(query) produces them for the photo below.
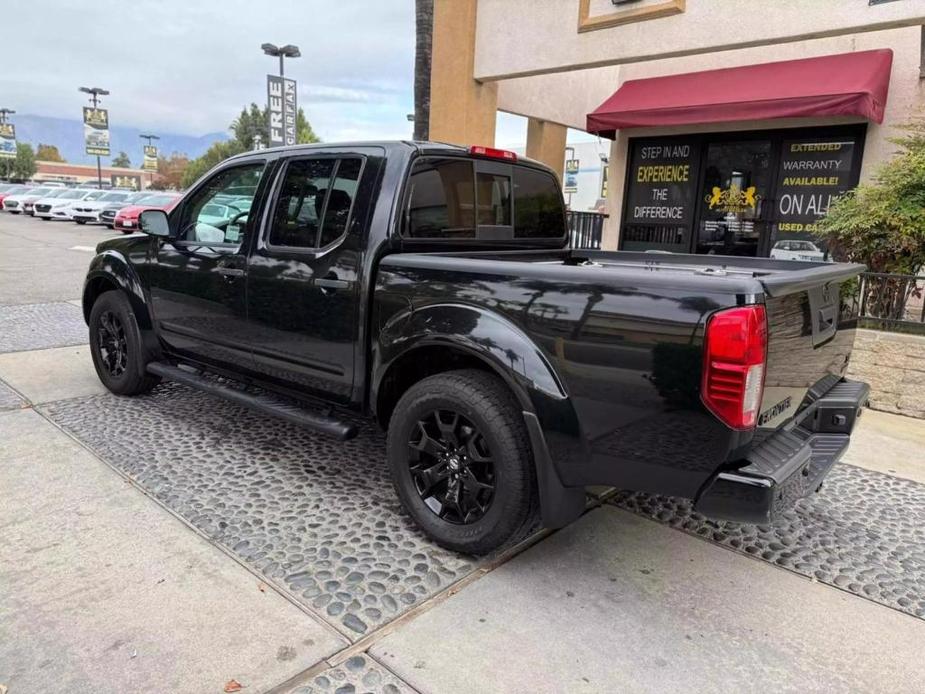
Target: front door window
<point x="735" y="206"/>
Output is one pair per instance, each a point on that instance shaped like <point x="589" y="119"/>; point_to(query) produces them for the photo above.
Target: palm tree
<point x="424" y="25"/>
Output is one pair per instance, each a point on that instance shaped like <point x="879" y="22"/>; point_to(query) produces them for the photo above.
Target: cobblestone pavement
<point x="317" y="516"/>
<point x="357" y="674"/>
<point x="40" y="326"/>
<point x="863" y="532"/>
<point x="9" y="398"/>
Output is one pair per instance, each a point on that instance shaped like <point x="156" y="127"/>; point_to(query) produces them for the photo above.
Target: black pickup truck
<point x="432" y="287"/>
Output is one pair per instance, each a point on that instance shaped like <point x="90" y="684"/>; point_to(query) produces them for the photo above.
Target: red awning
<point x="849" y="84"/>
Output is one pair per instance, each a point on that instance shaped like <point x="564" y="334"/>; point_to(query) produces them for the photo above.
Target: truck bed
<point x="623" y="333"/>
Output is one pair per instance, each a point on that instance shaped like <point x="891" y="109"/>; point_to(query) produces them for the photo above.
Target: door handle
<point x="229" y="272"/>
<point x="329" y="283"/>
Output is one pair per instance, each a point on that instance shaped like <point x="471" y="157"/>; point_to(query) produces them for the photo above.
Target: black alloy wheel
<point x="118" y="352"/>
<point x="452" y="467"/>
<point x="112" y="343"/>
<point x="461" y="460"/>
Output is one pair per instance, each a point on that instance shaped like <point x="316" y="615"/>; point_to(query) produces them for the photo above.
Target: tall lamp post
<point x="95" y="93"/>
<point x="4" y="113"/>
<point x="148" y="138"/>
<point x="287" y="51"/>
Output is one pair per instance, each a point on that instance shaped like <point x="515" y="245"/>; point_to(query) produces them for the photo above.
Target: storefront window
<point x="661" y="195"/>
<point x="736" y="179"/>
<point x="752" y="194"/>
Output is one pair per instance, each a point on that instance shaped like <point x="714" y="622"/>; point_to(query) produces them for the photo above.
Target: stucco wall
<point x="894" y="366"/>
<point x="521" y="37"/>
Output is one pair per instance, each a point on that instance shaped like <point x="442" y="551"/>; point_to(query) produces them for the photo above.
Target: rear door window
<point x="442" y="199"/>
<point x="484" y="200"/>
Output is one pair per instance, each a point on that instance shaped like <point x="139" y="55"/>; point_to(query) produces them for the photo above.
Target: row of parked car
<point x="117" y="209"/>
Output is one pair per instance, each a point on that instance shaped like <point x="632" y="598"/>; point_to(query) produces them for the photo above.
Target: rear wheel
<point x="116" y="346"/>
<point x="461" y="460"/>
<point x="81" y="221"/>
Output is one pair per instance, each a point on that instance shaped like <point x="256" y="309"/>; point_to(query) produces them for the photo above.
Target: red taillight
<point x="735" y="349"/>
<point x="492" y="153"/>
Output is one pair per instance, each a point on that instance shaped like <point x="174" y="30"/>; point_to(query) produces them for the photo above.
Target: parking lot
<point x="177" y="542"/>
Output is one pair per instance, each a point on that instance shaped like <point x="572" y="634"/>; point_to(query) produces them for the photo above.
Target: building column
<point x="462" y="110"/>
<point x="616" y="183"/>
<point x="546" y="143"/>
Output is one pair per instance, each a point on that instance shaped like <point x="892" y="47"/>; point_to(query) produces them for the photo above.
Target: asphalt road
<point x="44" y="261"/>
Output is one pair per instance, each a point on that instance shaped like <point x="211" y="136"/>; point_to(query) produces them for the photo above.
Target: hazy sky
<point x="188" y="67"/>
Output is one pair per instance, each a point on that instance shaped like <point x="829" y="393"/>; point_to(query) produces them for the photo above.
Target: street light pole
<point x="287" y="51"/>
<point x="94" y="93"/>
<point x="150" y="173"/>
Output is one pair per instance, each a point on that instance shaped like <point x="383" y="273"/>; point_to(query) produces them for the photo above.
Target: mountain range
<point x="67" y="135"/>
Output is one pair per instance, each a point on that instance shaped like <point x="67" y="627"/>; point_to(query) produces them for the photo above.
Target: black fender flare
<point x="110" y="269"/>
<point x="510" y="353"/>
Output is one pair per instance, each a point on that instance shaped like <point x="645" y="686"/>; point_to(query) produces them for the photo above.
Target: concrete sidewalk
<point x="619" y="603"/>
<point x="102" y="591"/>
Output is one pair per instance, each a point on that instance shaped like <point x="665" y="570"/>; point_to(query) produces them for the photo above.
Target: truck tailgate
<point x="810" y="337"/>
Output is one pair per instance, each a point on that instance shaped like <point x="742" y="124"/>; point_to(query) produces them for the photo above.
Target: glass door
<point x="734" y="208"/>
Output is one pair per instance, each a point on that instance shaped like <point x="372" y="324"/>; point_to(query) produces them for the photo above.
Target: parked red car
<point x="126" y="219"/>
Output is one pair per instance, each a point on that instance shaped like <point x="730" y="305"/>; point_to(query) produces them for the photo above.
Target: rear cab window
<point x="455" y="198"/>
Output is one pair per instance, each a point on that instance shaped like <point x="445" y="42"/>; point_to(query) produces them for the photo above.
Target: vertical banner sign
<point x="149" y="163"/>
<point x="7" y="141"/>
<point x="604" y="169"/>
<point x="96" y="131"/>
<point x="290" y="109"/>
<point x="275" y="107"/>
<point x="571" y="176"/>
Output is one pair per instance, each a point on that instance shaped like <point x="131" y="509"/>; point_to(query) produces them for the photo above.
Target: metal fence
<point x="585" y="229"/>
<point x="892" y="302"/>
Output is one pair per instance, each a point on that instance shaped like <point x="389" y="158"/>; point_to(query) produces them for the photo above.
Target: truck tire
<point x="116" y="346"/>
<point x="461" y="460"/>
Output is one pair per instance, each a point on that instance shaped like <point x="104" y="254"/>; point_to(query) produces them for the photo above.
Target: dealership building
<point x="729" y="125"/>
<point x="81" y="174"/>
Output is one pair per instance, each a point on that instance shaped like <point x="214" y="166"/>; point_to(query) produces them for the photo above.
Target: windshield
<point x="40" y="191"/>
<point x="56" y="193"/>
<point x="158" y="200"/>
<point x="136" y="197"/>
<point x="113" y="197"/>
<point x="73" y="194"/>
<point x="95" y="195"/>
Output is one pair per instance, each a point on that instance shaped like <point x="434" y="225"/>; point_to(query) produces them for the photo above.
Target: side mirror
<point x="154" y="222"/>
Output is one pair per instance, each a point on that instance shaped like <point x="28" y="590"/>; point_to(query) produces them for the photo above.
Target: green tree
<point x="882" y="223"/>
<point x="122" y="161"/>
<point x="254" y="121"/>
<point x="23" y="166"/>
<point x="217" y="152"/>
<point x="48" y="153"/>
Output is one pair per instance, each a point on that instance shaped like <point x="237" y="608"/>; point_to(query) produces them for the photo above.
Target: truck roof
<point x="422" y="147"/>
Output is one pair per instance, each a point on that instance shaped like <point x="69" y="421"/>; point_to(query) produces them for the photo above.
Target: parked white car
<point x="797" y="249"/>
<point x="22" y="202"/>
<point x="58" y="206"/>
<point x="86" y="209"/>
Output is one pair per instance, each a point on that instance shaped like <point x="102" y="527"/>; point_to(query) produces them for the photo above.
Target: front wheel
<point x="116" y="346"/>
<point x="461" y="461"/>
<point x="81" y="221"/>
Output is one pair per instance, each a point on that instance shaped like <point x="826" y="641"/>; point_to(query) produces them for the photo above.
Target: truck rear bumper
<point x="788" y="465"/>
